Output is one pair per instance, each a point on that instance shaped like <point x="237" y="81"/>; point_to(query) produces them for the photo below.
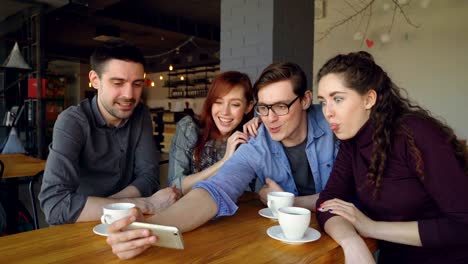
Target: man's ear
<point x="370" y="99"/>
<point x="306" y="101"/>
<point x="94" y="79"/>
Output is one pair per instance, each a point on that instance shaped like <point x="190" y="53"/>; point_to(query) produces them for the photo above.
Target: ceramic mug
<point x="294" y="221"/>
<point x="115" y="211"/>
<point x="277" y="200"/>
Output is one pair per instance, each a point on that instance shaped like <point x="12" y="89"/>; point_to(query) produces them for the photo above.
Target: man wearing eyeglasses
<point x="294" y="151"/>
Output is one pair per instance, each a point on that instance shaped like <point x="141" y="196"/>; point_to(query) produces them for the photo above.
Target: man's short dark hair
<point x="119" y="50"/>
<point x="282" y="71"/>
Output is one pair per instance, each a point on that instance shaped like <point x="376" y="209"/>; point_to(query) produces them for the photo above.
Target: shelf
<point x="194" y="71"/>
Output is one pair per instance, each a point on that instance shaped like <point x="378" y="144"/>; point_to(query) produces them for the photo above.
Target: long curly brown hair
<point x="359" y="72"/>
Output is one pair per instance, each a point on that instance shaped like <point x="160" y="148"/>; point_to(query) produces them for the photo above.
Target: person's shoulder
<point x="74" y="113"/>
<point x="315" y="112"/>
<point x="317" y="120"/>
<point x="262" y="140"/>
<point x="418" y="124"/>
<point x="423" y="129"/>
<point x="187" y="128"/>
<point x="187" y="123"/>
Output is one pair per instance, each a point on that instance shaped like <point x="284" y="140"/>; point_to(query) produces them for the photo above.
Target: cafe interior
<point x="44" y="64"/>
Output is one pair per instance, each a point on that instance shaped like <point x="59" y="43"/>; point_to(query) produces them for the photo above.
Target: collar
<point x="97" y="114"/>
<point x="363" y="137"/>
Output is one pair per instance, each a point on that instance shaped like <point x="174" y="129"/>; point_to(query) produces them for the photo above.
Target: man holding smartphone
<point x="294" y="151"/>
<point x="102" y="150"/>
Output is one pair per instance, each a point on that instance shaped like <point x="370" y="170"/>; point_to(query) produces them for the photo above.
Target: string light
<point x="152" y="84"/>
<point x="161" y="77"/>
<point x="170" y="67"/>
<point x="144" y="75"/>
<point x="182" y="78"/>
<point x="89" y="84"/>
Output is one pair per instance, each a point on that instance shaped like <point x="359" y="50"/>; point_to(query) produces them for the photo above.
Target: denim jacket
<point x="181" y="163"/>
<point x="263" y="157"/>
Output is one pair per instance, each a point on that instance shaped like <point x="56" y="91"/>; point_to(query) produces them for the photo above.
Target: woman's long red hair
<point x="221" y="85"/>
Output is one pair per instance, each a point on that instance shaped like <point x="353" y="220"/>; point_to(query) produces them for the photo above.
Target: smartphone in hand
<point x="168" y="236"/>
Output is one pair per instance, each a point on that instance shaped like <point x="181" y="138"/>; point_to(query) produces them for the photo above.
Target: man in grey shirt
<point x="102" y="149"/>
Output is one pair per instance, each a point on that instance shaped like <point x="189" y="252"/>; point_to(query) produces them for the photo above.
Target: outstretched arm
<point x="182" y="214"/>
<point x="354" y="247"/>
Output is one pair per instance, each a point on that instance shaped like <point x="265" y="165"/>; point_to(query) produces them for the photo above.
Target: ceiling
<point x="179" y="32"/>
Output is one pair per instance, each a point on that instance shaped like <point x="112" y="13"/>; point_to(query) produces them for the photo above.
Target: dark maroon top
<point x="439" y="202"/>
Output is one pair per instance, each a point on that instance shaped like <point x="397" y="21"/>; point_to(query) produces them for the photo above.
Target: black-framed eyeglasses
<point x="278" y="109"/>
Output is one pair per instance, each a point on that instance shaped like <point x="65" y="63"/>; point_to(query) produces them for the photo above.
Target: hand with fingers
<point x="233" y="142"/>
<point x="128" y="244"/>
<point x="270" y="186"/>
<point x="162" y="199"/>
<point x="250" y="128"/>
<point x="362" y="223"/>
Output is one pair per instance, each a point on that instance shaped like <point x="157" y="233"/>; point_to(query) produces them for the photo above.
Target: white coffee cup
<point x="294" y="221"/>
<point x="115" y="211"/>
<point x="277" y="200"/>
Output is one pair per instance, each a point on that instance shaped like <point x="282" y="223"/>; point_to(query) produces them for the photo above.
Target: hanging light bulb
<point x="152" y="84"/>
<point x="182" y="78"/>
<point x="161" y="77"/>
<point x="144" y="75"/>
<point x="170" y="67"/>
<point x="89" y="84"/>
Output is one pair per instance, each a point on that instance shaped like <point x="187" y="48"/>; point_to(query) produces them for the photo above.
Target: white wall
<point x="430" y="62"/>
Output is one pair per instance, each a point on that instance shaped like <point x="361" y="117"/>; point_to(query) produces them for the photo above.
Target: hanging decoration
<point x="363" y="9"/>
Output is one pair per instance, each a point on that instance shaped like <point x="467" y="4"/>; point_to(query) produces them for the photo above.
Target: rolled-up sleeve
<point x="232" y="179"/>
<point x="58" y="197"/>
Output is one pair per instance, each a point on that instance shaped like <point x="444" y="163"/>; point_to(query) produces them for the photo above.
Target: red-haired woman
<point x="201" y="145"/>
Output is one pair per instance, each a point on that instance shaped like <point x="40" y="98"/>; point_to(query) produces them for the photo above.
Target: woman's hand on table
<point x="363" y="224"/>
<point x="128" y="244"/>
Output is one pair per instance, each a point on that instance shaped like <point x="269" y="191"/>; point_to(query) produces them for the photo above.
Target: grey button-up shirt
<point x="89" y="158"/>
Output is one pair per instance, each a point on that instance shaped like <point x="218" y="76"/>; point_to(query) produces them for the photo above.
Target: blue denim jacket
<point x="181" y="162"/>
<point x="265" y="158"/>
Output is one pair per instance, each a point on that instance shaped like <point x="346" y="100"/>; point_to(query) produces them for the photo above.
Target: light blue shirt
<point x="265" y="158"/>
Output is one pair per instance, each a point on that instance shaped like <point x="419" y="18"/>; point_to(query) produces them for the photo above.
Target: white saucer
<point x="266" y="212"/>
<point x="100" y="229"/>
<point x="310" y="235"/>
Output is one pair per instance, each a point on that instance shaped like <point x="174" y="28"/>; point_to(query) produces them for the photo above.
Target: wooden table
<point x="240" y="238"/>
<point x="21" y="168"/>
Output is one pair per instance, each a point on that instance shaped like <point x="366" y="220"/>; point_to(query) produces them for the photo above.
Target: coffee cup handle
<point x="104" y="219"/>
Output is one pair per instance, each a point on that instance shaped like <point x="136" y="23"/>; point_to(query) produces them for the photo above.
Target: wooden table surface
<point x="240" y="238"/>
<point x="19" y="165"/>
